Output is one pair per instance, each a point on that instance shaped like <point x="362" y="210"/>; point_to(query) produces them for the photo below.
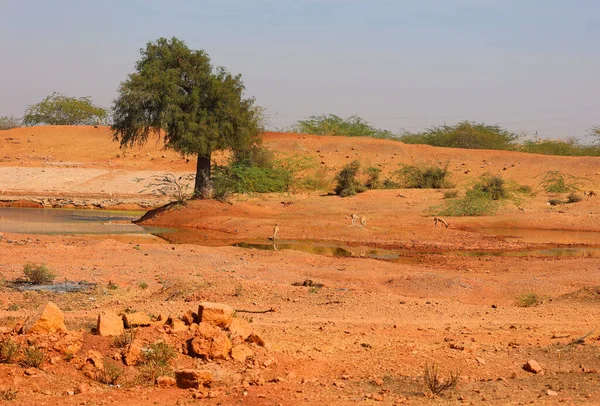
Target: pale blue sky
<point x="406" y="64"/>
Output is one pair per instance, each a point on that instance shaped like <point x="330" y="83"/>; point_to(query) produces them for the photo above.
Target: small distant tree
<point x="348" y="183"/>
<point x="595" y="131"/>
<point x="175" y="91"/>
<point x="8" y="122"/>
<point x="58" y="109"/>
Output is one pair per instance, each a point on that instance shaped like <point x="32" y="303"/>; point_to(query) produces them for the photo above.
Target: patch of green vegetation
<point x="569" y="147"/>
<point x="143" y="285"/>
<point x="555" y="202"/>
<point x="348" y="183"/>
<point x="373" y="178"/>
<point x="424" y="177"/>
<point x="558" y="182"/>
<point x="9" y="122"/>
<point x="33" y="356"/>
<point x="9" y="351"/>
<point x="529" y="300"/>
<point x="450" y="194"/>
<point x="110" y="374"/>
<point x="330" y="124"/>
<point x="38" y="274"/>
<point x="492" y="186"/>
<point x="466" y="134"/>
<point x="156" y="361"/>
<point x="112" y="286"/>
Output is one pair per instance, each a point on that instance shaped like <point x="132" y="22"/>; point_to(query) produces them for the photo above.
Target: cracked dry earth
<point x="452" y="297"/>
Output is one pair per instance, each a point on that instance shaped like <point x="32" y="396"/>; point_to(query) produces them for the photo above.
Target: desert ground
<point x="408" y="294"/>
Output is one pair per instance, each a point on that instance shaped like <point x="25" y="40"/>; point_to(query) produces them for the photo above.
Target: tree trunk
<point x="203" y="185"/>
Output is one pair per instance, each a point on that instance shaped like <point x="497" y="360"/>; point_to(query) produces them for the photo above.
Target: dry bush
<point x="434" y="381"/>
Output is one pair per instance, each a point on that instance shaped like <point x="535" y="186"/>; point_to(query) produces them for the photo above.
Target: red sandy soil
<point x="366" y="335"/>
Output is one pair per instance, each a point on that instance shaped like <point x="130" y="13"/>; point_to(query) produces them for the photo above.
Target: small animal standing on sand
<point x="354" y="218"/>
<point x="589" y="194"/>
<point x="275" y="232"/>
<point x="437" y="220"/>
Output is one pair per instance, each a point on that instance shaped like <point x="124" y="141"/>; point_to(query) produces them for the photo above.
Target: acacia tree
<point x="58" y="109"/>
<point x="176" y="92"/>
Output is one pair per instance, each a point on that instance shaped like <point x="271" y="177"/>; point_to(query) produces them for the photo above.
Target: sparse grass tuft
<point x="434" y="381"/>
<point x="110" y="374"/>
<point x="557" y="182"/>
<point x="156" y="361"/>
<point x="9" y="351"/>
<point x="33" y="357"/>
<point x="111" y="285"/>
<point x="529" y="300"/>
<point x="38" y="274"/>
<point x="9" y="394"/>
<point x="555" y="202"/>
<point x="450" y="194"/>
<point x="143" y="285"/>
<point x="574" y="197"/>
<point x="125" y="338"/>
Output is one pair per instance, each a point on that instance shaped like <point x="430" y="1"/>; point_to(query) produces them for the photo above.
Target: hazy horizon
<point x="402" y="65"/>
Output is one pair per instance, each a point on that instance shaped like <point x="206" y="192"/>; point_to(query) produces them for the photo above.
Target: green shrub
<point x="424" y="177"/>
<point x="493" y="186"/>
<point x="33" y="357"/>
<point x="557" y="182"/>
<point x="8" y="122"/>
<point x="124" y="339"/>
<point x="348" y="183"/>
<point x="112" y="286"/>
<point x="143" y="285"/>
<point x="555" y="202"/>
<point x="9" y="351"/>
<point x="529" y="300"/>
<point x="156" y="361"/>
<point x="450" y="194"/>
<point x="525" y="189"/>
<point x="466" y="134"/>
<point x="330" y="124"/>
<point x="569" y="147"/>
<point x="574" y="197"/>
<point x="38" y="274"/>
<point x="373" y="178"/>
<point x="110" y="374"/>
<point x="475" y="203"/>
<point x="390" y="184"/>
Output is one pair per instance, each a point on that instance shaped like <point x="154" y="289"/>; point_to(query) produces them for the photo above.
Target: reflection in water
<point x="311" y="248"/>
<point x="70" y="221"/>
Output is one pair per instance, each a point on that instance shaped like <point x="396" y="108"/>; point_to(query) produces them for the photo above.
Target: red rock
<point x="533" y="366"/>
<point x="70" y="343"/>
<point x="241" y="352"/>
<point x="48" y="319"/>
<point x="189" y="317"/>
<point x="109" y="324"/>
<point x="193" y="378"/>
<point x="166" y="381"/>
<point x="138" y="319"/>
<point x="216" y="314"/>
<point x="239" y="328"/>
<point x="176" y="325"/>
<point x="131" y="354"/>
<point x="95" y="358"/>
<point x="254" y="339"/>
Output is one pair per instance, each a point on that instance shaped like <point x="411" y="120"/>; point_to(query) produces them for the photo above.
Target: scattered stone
<point x="241" y="352"/>
<point x="176" y="325"/>
<point x="70" y="343"/>
<point x="95" y="358"/>
<point x="83" y="389"/>
<point x="189" y="317"/>
<point x="166" y="381"/>
<point x="137" y="319"/>
<point x="480" y="360"/>
<point x="254" y="339"/>
<point x="131" y="354"/>
<point x="31" y="371"/>
<point x="215" y="313"/>
<point x="533" y="366"/>
<point x="48" y="319"/>
<point x="550" y="392"/>
<point x="109" y="324"/>
<point x="193" y="378"/>
<point x="239" y="328"/>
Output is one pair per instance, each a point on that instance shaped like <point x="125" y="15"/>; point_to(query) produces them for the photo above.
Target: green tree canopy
<point x="175" y="91"/>
<point x="466" y="134"/>
<point x="58" y="109"/>
<point x="330" y="124"/>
